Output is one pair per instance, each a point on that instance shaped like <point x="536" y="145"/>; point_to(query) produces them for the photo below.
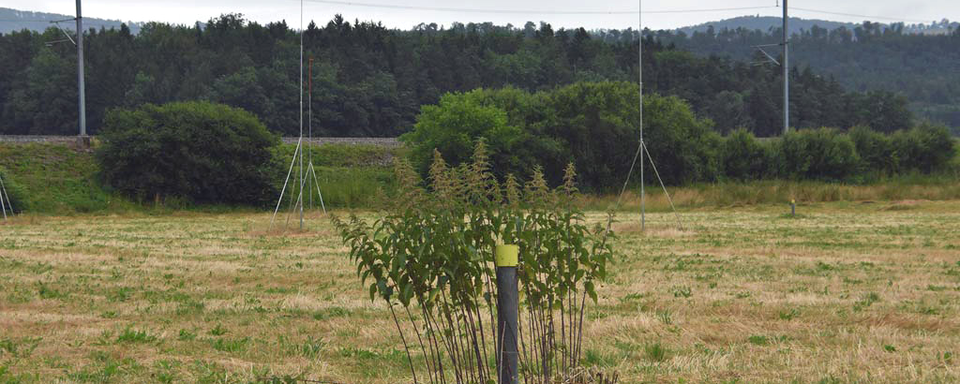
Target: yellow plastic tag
<point x="506" y="255"/>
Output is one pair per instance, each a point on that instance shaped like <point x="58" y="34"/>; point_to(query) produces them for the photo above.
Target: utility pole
<point x="786" y="70"/>
<point x="80" y="87"/>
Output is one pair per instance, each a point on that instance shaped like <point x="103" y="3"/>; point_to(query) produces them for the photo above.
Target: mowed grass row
<point x="845" y="292"/>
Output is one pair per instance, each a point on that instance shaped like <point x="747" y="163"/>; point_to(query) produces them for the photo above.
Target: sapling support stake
<point x="507" y="310"/>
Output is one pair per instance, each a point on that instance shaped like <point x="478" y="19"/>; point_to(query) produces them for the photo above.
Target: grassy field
<point x="845" y="292"/>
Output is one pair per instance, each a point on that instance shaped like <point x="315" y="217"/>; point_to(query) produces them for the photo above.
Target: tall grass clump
<point x="430" y="258"/>
<point x="360" y="187"/>
<point x="349" y="176"/>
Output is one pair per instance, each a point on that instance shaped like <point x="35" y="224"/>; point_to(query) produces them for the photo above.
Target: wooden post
<point x="507" y="311"/>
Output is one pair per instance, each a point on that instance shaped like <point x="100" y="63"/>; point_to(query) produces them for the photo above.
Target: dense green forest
<point x="368" y="80"/>
<point x="870" y="56"/>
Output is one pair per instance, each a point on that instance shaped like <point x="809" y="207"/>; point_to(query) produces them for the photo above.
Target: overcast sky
<point x="187" y="11"/>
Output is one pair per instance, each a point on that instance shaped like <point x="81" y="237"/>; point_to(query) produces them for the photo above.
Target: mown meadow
<point x="861" y="286"/>
<point x="844" y="292"/>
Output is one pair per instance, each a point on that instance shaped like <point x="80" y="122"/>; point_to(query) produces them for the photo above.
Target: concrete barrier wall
<point x="378" y="141"/>
<point x="37" y="139"/>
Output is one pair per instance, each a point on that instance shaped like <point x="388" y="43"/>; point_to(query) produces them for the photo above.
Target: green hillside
<point x="54" y="179"/>
<point x="58" y="179"/>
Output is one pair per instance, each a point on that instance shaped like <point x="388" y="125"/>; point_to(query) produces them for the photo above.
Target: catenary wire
<point x="575" y="12"/>
<point x="857" y="15"/>
<point x="525" y="11"/>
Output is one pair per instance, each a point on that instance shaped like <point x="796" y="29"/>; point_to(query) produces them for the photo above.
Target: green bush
<point x="817" y="154"/>
<point x="743" y="157"/>
<point x="684" y="148"/>
<point x="875" y="150"/>
<point x="454" y="125"/>
<point x="597" y="126"/>
<point x="925" y="148"/>
<point x="593" y="125"/>
<point x="197" y="152"/>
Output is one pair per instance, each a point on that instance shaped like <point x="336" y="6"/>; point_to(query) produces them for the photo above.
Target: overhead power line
<point x="708" y="10"/>
<point x="548" y="12"/>
<point x="524" y="11"/>
<point x="857" y="15"/>
<point x="470" y="10"/>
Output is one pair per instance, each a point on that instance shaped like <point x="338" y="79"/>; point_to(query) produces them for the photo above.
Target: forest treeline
<point x="368" y="80"/>
<point x="870" y="56"/>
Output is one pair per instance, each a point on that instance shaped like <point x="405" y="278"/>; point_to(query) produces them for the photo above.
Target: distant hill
<point x="14" y="20"/>
<point x="765" y="23"/>
<point x="920" y="62"/>
<point x="797" y="25"/>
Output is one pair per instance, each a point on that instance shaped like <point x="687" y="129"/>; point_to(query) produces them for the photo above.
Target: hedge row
<point x="596" y="126"/>
<point x="857" y="155"/>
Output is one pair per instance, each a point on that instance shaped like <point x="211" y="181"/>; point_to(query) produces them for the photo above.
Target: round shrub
<point x="817" y="154"/>
<point x="594" y="125"/>
<point x="196" y="152"/>
<point x="875" y="150"/>
<point x="925" y="148"/>
<point x="743" y="156"/>
<point x="684" y="147"/>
